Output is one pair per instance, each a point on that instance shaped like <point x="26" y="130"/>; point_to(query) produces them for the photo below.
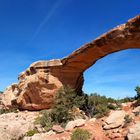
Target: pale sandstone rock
<point x="92" y="120"/>
<point x="134" y="132"/>
<point x="70" y="126"/>
<point x="15" y="125"/>
<point x="41" y="136"/>
<point x="10" y="94"/>
<point x="115" y="120"/>
<point x="79" y="122"/>
<point x="57" y="129"/>
<point x="76" y="123"/>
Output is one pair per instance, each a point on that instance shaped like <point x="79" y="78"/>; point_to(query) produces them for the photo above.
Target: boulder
<point x="134" y="132"/>
<point x="76" y="123"/>
<point x="115" y="120"/>
<point x="15" y="125"/>
<point x="137" y="109"/>
<point x="57" y="129"/>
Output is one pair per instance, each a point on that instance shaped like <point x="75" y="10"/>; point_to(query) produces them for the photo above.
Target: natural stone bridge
<point x="38" y="84"/>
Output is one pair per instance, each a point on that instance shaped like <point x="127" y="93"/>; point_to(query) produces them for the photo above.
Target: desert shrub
<point x="126" y="99"/>
<point x="137" y="89"/>
<point x="4" y="111"/>
<point x="31" y="132"/>
<point x="68" y="97"/>
<point x="112" y="106"/>
<point x="44" y="120"/>
<point x="101" y="111"/>
<point x="137" y="113"/>
<point x="98" y="105"/>
<point x="80" y="134"/>
<point x="137" y="97"/>
<point x="66" y="100"/>
<point x="127" y="120"/>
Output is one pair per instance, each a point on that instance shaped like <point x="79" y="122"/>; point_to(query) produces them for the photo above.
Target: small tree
<point x="98" y="105"/>
<point x="65" y="100"/>
<point x="137" y="89"/>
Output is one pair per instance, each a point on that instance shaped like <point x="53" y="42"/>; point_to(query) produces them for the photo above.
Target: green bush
<point x="126" y="99"/>
<point x="4" y="111"/>
<point x="137" y="113"/>
<point x="65" y="100"/>
<point x="45" y="120"/>
<point x="97" y="105"/>
<point x="127" y="120"/>
<point x="31" y="132"/>
<point x="137" y="97"/>
<point x="101" y="111"/>
<point x="80" y="134"/>
<point x="111" y="106"/>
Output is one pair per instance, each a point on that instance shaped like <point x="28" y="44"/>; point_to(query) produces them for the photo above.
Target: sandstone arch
<point x="38" y="84"/>
<point x="122" y="37"/>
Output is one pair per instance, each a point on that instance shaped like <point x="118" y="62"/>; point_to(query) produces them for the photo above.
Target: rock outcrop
<point x="115" y="120"/>
<point x="134" y="132"/>
<point x="39" y="83"/>
<point x="76" y="123"/>
<point x="10" y="94"/>
<point x="14" y="126"/>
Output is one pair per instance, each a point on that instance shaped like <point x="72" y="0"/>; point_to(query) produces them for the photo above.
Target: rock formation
<point x="115" y="120"/>
<point x="38" y="84"/>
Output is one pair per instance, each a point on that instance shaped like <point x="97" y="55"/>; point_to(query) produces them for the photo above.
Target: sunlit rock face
<point x="39" y="83"/>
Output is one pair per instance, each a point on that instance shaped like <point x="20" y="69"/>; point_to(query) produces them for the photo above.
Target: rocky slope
<point x="116" y="126"/>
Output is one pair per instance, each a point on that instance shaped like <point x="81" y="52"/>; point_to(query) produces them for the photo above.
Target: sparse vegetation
<point x="45" y="120"/>
<point x="137" y="97"/>
<point x="31" y="132"/>
<point x="80" y="134"/>
<point x="65" y="101"/>
<point x="127" y="120"/>
<point x="4" y="111"/>
<point x="99" y="106"/>
<point x="126" y="99"/>
<point x="137" y="113"/>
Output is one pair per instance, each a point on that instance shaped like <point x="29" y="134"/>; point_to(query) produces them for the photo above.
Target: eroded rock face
<point x="11" y="93"/>
<point x="134" y="132"/>
<point x="39" y="83"/>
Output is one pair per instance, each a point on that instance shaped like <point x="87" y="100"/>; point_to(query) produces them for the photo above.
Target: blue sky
<point x="32" y="30"/>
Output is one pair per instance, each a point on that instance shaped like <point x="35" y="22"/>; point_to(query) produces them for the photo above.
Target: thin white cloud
<point x="46" y="19"/>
